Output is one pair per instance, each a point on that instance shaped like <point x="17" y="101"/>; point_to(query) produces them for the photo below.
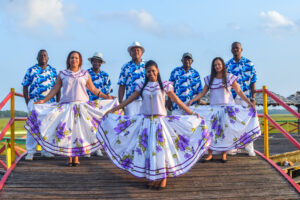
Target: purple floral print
<point x="122" y="125"/>
<point x="182" y="142"/>
<point x="252" y="112"/>
<point x="60" y="130"/>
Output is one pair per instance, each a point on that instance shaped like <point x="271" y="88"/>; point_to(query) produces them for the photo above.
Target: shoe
<point x="251" y="154"/>
<point x="223" y="161"/>
<point x="29" y="156"/>
<point x="99" y="153"/>
<point x="76" y="164"/>
<point x="87" y="156"/>
<point x="232" y="152"/>
<point x="204" y="161"/>
<point x="69" y="164"/>
<point x="46" y="154"/>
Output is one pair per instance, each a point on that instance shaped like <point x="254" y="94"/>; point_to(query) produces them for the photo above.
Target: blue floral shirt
<point x="101" y="82"/>
<point x="130" y="75"/>
<point x="186" y="84"/>
<point x="245" y="71"/>
<point x="40" y="82"/>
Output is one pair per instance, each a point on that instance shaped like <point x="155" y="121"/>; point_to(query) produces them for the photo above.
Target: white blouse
<point x="153" y="102"/>
<point x="218" y="94"/>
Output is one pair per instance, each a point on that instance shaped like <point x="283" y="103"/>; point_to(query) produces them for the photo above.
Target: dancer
<point x="69" y="128"/>
<point x="132" y="73"/>
<point x="37" y="83"/>
<point x="100" y="80"/>
<point x="244" y="69"/>
<point x="151" y="144"/>
<point x="231" y="126"/>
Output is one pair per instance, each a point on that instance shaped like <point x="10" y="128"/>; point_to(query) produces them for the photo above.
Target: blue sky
<point x="268" y="30"/>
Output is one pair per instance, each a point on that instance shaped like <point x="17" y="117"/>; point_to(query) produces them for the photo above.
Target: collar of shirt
<point x="133" y="63"/>
<point x="241" y="61"/>
<point x="46" y="68"/>
<point x="190" y="70"/>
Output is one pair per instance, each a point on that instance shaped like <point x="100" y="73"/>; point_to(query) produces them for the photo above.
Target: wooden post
<point x="266" y="125"/>
<point x="12" y="127"/>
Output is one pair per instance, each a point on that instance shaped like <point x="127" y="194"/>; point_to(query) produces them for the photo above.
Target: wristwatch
<point x="252" y="99"/>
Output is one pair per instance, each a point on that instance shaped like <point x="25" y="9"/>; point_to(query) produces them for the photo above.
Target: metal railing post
<point x="266" y="124"/>
<point x="8" y="154"/>
<point x="12" y="127"/>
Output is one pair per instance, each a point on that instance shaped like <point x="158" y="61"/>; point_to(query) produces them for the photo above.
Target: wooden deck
<point x="242" y="177"/>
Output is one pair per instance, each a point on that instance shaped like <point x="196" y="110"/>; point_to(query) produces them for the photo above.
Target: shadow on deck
<point x="242" y="177"/>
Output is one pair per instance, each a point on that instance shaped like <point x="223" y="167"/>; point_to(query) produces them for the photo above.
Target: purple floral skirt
<point x="166" y="146"/>
<point x="68" y="129"/>
<point x="231" y="126"/>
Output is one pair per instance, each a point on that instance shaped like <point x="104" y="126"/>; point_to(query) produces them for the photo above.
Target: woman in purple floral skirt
<point x="69" y="128"/>
<point x="231" y="126"/>
<point x="152" y="145"/>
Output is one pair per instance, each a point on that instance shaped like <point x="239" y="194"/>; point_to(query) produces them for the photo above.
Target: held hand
<point x="111" y="97"/>
<point x="39" y="102"/>
<point x="252" y="104"/>
<point x="189" y="103"/>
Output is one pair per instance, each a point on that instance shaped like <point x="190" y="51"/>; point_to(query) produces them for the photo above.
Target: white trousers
<point x="133" y="108"/>
<point x="30" y="141"/>
<point x="250" y="146"/>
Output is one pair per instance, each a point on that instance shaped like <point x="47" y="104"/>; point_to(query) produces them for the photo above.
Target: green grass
<point x="280" y="119"/>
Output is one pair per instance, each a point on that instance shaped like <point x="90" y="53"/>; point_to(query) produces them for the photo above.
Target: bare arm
<point x="95" y="91"/>
<point x="25" y="94"/>
<point x="253" y="91"/>
<point x="53" y="92"/>
<point x="121" y="92"/>
<point x="174" y="98"/>
<point x="169" y="104"/>
<point x="58" y="94"/>
<point x="239" y="92"/>
<point x="130" y="99"/>
<point x="199" y="96"/>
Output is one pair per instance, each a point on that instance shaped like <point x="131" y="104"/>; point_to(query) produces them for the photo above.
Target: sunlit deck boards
<point x="242" y="177"/>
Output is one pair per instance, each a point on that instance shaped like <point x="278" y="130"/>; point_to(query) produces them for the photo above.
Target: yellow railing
<point x="268" y="119"/>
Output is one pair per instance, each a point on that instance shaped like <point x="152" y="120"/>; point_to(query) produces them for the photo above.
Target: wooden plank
<point x="241" y="177"/>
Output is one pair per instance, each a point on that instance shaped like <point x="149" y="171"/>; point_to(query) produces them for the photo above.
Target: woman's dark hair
<point x="149" y="64"/>
<point x="69" y="56"/>
<point x="213" y="72"/>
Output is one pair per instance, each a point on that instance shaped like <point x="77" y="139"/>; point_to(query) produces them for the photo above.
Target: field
<point x="291" y="126"/>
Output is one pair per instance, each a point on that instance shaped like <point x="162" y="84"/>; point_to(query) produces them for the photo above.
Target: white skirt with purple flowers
<point x="230" y="126"/>
<point x="165" y="146"/>
<point x="68" y="129"/>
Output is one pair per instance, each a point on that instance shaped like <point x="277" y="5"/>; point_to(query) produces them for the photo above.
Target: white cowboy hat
<point x="135" y="44"/>
<point x="97" y="55"/>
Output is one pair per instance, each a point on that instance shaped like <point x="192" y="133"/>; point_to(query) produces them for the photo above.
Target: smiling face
<point x="42" y="58"/>
<point x="187" y="62"/>
<point x="136" y="53"/>
<point x="218" y="65"/>
<point x="151" y="73"/>
<point x="96" y="63"/>
<point x="236" y="49"/>
<point x="74" y="60"/>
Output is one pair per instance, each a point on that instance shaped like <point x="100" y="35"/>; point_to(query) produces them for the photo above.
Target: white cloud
<point x="234" y="27"/>
<point x="274" y="20"/>
<point x="144" y="21"/>
<point x="141" y="19"/>
<point x="35" y="14"/>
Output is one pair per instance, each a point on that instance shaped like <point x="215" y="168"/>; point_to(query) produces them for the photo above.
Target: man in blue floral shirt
<point x="132" y="73"/>
<point x="99" y="78"/>
<point x="244" y="69"/>
<point x="37" y="83"/>
<point x="186" y="81"/>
